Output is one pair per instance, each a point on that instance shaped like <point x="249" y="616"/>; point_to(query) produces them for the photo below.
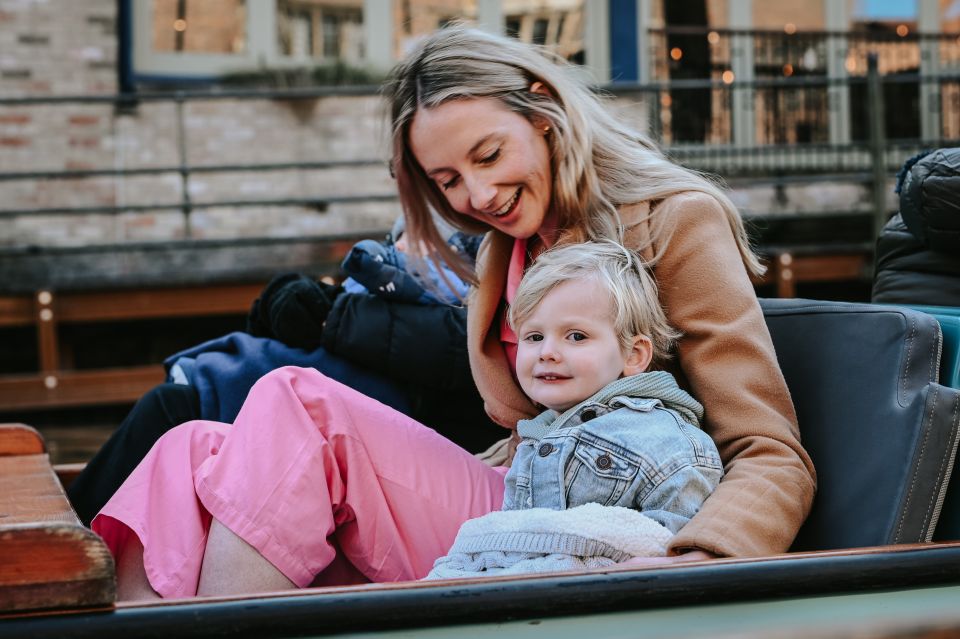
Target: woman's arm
<point x="727" y="358"/>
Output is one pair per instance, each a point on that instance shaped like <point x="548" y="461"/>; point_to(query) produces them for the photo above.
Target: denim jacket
<point x="636" y="443"/>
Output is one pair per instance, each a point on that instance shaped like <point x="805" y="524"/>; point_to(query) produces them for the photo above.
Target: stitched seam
<point x="906" y="369"/>
<point x="913" y="480"/>
<point x="940" y="472"/>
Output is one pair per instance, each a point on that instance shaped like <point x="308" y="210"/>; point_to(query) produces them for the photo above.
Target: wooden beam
<point x="124" y="305"/>
<point x="16" y="310"/>
<point x="78" y="388"/>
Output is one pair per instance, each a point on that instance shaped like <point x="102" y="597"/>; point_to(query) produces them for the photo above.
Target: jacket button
<point x="604" y="462"/>
<point x="587" y="415"/>
<point x="545" y="449"/>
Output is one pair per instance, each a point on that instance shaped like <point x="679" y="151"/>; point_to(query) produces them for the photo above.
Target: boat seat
<point x="47" y="558"/>
<point x="948" y="528"/>
<point x="880" y="428"/>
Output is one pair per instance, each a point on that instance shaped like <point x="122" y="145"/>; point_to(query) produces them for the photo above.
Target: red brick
<point x="84" y="120"/>
<point x="15" y="118"/>
<point x="11" y="141"/>
<point x="75" y="165"/>
<point x="86" y="143"/>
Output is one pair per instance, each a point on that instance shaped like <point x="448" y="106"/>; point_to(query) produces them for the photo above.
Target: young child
<point x="589" y="324"/>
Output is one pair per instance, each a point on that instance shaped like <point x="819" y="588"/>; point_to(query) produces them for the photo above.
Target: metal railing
<point x="789" y="152"/>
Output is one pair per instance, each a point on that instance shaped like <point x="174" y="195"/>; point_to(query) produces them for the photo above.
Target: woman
<point x="494" y="135"/>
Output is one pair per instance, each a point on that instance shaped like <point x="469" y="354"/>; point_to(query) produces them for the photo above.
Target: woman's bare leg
<point x="132" y="582"/>
<point x="232" y="566"/>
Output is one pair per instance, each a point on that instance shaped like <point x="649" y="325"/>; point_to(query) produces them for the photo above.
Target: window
<point x="182" y="39"/>
<point x="322" y="31"/>
<point x="207" y="26"/>
<point x="557" y="24"/>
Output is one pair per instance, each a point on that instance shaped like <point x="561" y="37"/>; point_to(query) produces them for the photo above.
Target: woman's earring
<point x="546" y="129"/>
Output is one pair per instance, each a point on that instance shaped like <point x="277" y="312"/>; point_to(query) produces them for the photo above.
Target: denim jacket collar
<point x="650" y="388"/>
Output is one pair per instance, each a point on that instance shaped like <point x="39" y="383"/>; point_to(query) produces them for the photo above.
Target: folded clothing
<point x="543" y="540"/>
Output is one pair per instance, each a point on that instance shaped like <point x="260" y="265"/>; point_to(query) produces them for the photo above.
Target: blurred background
<point x="161" y="159"/>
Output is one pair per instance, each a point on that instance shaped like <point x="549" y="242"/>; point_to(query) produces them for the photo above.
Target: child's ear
<point x="638" y="356"/>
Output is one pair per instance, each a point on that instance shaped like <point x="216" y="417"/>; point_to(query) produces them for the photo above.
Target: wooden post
<point x="47" y="346"/>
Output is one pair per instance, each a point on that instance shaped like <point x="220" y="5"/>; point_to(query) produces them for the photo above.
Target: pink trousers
<point x="309" y="469"/>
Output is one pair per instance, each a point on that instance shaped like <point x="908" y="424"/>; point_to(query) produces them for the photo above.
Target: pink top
<point x="518" y="262"/>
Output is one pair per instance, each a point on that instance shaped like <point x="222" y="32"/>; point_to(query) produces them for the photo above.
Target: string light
<point x="180" y="25"/>
<point x="727" y="77"/>
<point x="788" y="69"/>
<point x="902" y="30"/>
<point x="790" y="28"/>
<point x="713" y="37"/>
<point x="676" y="53"/>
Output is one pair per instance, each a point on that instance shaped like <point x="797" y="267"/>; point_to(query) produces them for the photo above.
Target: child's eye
<point x="491" y="158"/>
<point x="449" y="184"/>
<point x="534" y="337"/>
<point x="576" y="336"/>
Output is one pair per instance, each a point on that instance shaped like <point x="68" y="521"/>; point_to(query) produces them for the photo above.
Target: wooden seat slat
<point x="47" y="558"/>
<point x="20" y="439"/>
<point x="31" y="492"/>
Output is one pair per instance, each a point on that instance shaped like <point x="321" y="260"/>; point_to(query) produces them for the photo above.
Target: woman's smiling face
<point x="490" y="163"/>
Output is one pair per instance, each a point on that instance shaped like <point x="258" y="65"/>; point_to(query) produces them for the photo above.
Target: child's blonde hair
<point x="635" y="305"/>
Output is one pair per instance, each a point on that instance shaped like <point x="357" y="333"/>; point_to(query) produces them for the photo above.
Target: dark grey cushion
<point x="880" y="429"/>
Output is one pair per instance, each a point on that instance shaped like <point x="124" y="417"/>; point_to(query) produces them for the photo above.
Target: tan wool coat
<point x="725" y="359"/>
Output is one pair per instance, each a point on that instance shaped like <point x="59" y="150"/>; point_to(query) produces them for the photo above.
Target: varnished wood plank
<point x="194" y="301"/>
<point x="16" y="310"/>
<point x="47" y="559"/>
<point x="78" y="388"/>
<point x="31" y="493"/>
<point x="54" y="565"/>
<point x="20" y="439"/>
<point x="66" y="473"/>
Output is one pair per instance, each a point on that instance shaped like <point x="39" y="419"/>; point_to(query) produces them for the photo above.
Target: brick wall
<point x="63" y="47"/>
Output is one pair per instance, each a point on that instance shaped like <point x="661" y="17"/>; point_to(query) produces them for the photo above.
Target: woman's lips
<point x="509" y="207"/>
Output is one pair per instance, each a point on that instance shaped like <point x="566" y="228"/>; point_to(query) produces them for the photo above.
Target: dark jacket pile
<point x="918" y="251"/>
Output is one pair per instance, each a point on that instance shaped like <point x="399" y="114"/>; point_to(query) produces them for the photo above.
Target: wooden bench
<point x="57" y="386"/>
<point x="47" y="558"/>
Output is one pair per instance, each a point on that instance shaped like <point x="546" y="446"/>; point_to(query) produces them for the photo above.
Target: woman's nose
<point x="483" y="194"/>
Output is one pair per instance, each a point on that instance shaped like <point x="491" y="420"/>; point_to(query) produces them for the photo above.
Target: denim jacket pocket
<point x="597" y="473"/>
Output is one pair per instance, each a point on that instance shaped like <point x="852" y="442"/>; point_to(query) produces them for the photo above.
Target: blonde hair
<point x="598" y="163"/>
<point x="635" y="306"/>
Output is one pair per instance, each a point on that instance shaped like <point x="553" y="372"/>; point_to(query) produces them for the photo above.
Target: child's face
<point x="568" y="348"/>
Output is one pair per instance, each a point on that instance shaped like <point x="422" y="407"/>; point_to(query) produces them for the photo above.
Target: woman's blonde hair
<point x="598" y="163"/>
<point x="634" y="305"/>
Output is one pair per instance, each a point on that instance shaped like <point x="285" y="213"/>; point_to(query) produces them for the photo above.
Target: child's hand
<point x="693" y="555"/>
